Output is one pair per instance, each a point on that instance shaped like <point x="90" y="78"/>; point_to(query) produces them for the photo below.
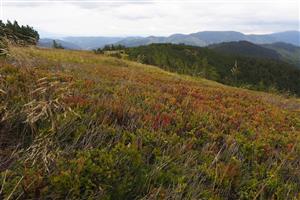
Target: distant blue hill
<point x="201" y="39"/>
<point x="92" y="42"/>
<point x="206" y="38"/>
<point x="48" y="43"/>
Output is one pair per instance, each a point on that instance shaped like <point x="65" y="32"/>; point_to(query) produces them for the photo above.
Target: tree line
<point x="17" y="34"/>
<point x="109" y="47"/>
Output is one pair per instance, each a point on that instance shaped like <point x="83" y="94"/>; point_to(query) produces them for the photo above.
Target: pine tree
<point x="57" y="45"/>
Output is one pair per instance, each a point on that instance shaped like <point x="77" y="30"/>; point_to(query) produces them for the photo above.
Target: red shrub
<point x="76" y="100"/>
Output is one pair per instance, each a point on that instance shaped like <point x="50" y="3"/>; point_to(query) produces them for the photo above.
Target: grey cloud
<point x="98" y="4"/>
<point x="86" y="4"/>
<point x="155" y="17"/>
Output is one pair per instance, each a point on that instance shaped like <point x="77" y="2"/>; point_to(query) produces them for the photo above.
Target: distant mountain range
<point x="201" y="39"/>
<point x="89" y="43"/>
<point x="48" y="43"/>
<point x="80" y="43"/>
<point x="212" y="37"/>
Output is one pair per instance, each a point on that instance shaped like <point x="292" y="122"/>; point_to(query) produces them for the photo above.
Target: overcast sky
<point x="151" y="17"/>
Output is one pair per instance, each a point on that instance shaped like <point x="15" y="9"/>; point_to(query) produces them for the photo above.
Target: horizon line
<point x="59" y="35"/>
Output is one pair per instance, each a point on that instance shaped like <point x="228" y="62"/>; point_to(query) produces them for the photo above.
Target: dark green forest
<point x="255" y="73"/>
<point x="245" y="48"/>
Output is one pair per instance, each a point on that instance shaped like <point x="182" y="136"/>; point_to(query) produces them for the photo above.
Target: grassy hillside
<point x="75" y="125"/>
<point x="255" y="73"/>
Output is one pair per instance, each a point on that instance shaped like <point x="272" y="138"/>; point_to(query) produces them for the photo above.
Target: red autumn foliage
<point x="89" y="83"/>
<point x="76" y="100"/>
<point x="162" y="120"/>
<point x="197" y="95"/>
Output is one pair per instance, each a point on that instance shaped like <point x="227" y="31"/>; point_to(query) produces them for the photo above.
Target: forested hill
<point x="244" y="48"/>
<point x="279" y="50"/>
<point x="288" y="52"/>
<point x="251" y="72"/>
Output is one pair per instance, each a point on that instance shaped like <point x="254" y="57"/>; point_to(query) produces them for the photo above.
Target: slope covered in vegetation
<point x="278" y="51"/>
<point x="255" y="73"/>
<point x="16" y="34"/>
<point x="75" y="125"/>
<point x="288" y="52"/>
<point x="244" y="48"/>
